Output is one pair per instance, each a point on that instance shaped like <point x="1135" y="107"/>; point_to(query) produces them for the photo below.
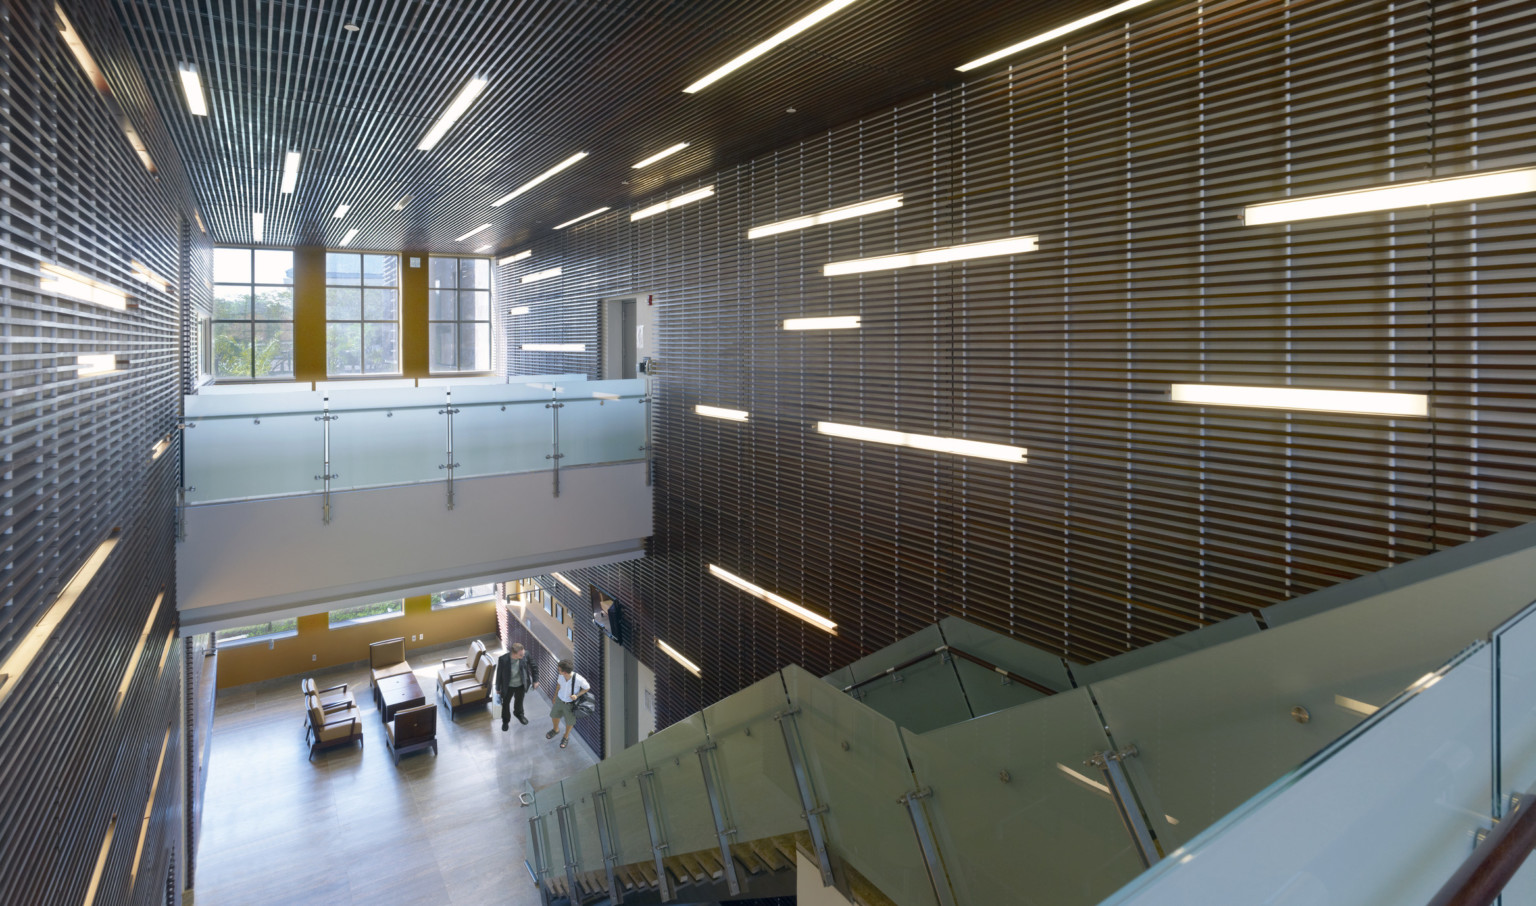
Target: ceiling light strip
<point x="404" y="200"/>
<point x="192" y="88"/>
<point x="784" y="604"/>
<point x="291" y="162"/>
<point x="536" y="276"/>
<point x="762" y="47"/>
<point x="679" y="201"/>
<point x="519" y="310"/>
<point x="1015" y="245"/>
<point x="581" y="218"/>
<point x="258" y="226"/>
<point x="659" y="155"/>
<point x="479" y="229"/>
<point x="1054" y="33"/>
<point x="1447" y="190"/>
<point x="846" y="322"/>
<point x="456" y="109"/>
<point x="734" y="415"/>
<point x="552" y="171"/>
<point x="31" y="644"/>
<point x="64" y="282"/>
<point x="347" y="239"/>
<point x="95" y="364"/>
<point x="138" y="651"/>
<point x="518" y="257"/>
<point x="1353" y="402"/>
<point x="554" y="347"/>
<point x="846" y="212"/>
<point x="559" y="577"/>
<point x="676" y="655"/>
<point x="341" y="211"/>
<point x="955" y="445"/>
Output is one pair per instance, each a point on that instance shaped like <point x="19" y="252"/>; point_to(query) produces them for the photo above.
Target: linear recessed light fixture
<point x="566" y="582"/>
<point x="98" y="79"/>
<point x="258" y="226"/>
<point x="554" y="347"/>
<point x="456" y="109"/>
<point x="485" y="248"/>
<point x="676" y="655"/>
<point x="762" y="47"/>
<point x="568" y="162"/>
<point x="158" y="450"/>
<point x="482" y="227"/>
<point x="291" y="161"/>
<point x="1001" y="452"/>
<point x="149" y="810"/>
<point x="519" y="310"/>
<point x="65" y="282"/>
<point x="341" y="211"/>
<point x="1053" y="34"/>
<point x="192" y="87"/>
<point x="838" y="323"/>
<point x="138" y="650"/>
<point x="198" y="216"/>
<point x="1013" y="245"/>
<point x="21" y="656"/>
<point x="659" y="155"/>
<point x="581" y="218"/>
<point x="735" y="415"/>
<point x="94" y="364"/>
<point x="1448" y="190"/>
<point x="404" y="200"/>
<point x="846" y="212"/>
<point x="1354" y="402"/>
<point x="518" y="257"/>
<point x="101" y="863"/>
<point x="679" y="201"/>
<point x="784" y="604"/>
<point x="347" y="239"/>
<point x="536" y="276"/>
<point x="143" y="274"/>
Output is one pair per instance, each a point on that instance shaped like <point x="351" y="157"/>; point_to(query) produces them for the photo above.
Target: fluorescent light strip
<point x="158" y="450"/>
<point x="1000" y="452"/>
<point x="23" y="654"/>
<point x="554" y="347"/>
<point x="198" y="216"/>
<point x="479" y="229"/>
<point x="520" y="310"/>
<point x="137" y="144"/>
<point x="518" y="257"/>
<point x="258" y="226"/>
<point x="734" y="415"/>
<point x="536" y="276"/>
<point x="143" y="274"/>
<point x="101" y="863"/>
<point x="92" y="365"/>
<point x="149" y="810"/>
<point x="659" y="155"/>
<point x="757" y="50"/>
<point x="192" y="87"/>
<point x="1014" y="245"/>
<point x="567" y="582"/>
<point x="341" y="211"/>
<point x="838" y="323"/>
<point x="456" y="109"/>
<point x="846" y="212"/>
<point x="64" y="282"/>
<point x="679" y="201"/>
<point x="676" y="655"/>
<point x="1053" y="34"/>
<point x="291" y="162"/>
<point x="165" y="651"/>
<point x="138" y="650"/>
<point x="1355" y="402"/>
<point x="784" y="604"/>
<point x="347" y="239"/>
<point x="485" y="248"/>
<point x="581" y="218"/>
<point x="404" y="200"/>
<point x="568" y="162"/>
<point x="81" y="52"/>
<point x="1448" y="190"/>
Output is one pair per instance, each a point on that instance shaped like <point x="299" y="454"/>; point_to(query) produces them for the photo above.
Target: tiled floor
<point x="351" y="827"/>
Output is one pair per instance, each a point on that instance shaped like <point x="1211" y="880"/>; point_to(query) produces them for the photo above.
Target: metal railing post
<point x="325" y="418"/>
<point x="451" y="465"/>
<point x="555" y="406"/>
<point x="645" y="443"/>
<point x="605" y="842"/>
<point x="1125" y="802"/>
<point x="928" y="845"/>
<point x="813" y="810"/>
<point x="540" y="863"/>
<point x="717" y="808"/>
<point x="567" y="832"/>
<point x="644" y="780"/>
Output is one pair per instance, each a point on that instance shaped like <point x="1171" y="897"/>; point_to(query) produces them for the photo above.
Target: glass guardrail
<point x="241" y="446"/>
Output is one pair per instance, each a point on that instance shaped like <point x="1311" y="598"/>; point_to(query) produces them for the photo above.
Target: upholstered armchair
<point x="412" y="730"/>
<point x="328" y="729"/>
<point x="470" y="690"/>
<point x="386" y="658"/>
<point x="457" y="668"/>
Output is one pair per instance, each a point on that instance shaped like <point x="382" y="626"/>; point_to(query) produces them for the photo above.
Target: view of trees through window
<point x="364" y="613"/>
<point x="252" y="313"/>
<point x="459" y="312"/>
<point x="453" y="597"/>
<point x="257" y="630"/>
<point x="362" y="311"/>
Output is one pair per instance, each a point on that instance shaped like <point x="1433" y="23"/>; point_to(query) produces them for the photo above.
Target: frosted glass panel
<point x="601" y="431"/>
<point x="237" y="457"/>
<point x="1381" y="819"/>
<point x="756" y="780"/>
<point x="618" y="774"/>
<point x="578" y="792"/>
<point x="374" y="447"/>
<point x="497" y="439"/>
<point x="672" y="756"/>
<point x="1516" y="652"/>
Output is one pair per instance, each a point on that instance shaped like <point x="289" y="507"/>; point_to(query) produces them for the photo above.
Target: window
<point x="362" y="312"/>
<point x="252" y="313"/>
<point x="258" y="632"/>
<point x="367" y="613"/>
<point x="459" y="314"/>
<point x="458" y="597"/>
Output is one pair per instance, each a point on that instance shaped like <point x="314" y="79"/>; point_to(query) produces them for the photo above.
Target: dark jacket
<point x="504" y="670"/>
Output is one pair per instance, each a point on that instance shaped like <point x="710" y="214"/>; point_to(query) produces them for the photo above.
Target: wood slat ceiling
<point x="564" y="77"/>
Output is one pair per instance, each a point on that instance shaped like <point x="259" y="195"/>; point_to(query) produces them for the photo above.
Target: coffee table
<point x="399" y="691"/>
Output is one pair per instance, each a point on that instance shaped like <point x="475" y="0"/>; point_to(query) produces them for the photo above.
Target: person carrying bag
<point x="572" y="698"/>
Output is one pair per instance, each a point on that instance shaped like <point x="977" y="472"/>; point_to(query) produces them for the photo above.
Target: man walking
<point x="515" y="675"/>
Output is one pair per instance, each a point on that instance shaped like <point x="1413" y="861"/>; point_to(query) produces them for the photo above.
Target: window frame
<point x="333" y="623"/>
<point x="260" y="637"/>
<point x="363" y="321"/>
<point x="251" y="320"/>
<point x="468" y="599"/>
<point x="459" y="321"/>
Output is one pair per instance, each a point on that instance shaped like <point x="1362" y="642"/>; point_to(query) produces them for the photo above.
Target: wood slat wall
<point x="1130" y="150"/>
<point x="79" y="467"/>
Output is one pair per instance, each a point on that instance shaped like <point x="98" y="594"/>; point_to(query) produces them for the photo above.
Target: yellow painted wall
<point x="317" y="646"/>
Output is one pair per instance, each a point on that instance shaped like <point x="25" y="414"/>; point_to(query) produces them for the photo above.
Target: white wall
<point x="275" y="557"/>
